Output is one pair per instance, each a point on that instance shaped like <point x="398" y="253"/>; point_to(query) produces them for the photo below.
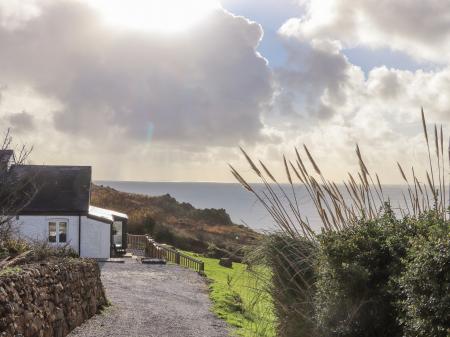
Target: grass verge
<point x="238" y="298"/>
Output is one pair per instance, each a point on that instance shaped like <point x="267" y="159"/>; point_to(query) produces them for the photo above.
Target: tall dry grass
<point x="360" y="196"/>
<point x="291" y="254"/>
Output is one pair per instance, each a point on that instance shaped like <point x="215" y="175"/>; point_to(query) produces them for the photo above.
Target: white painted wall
<point x="95" y="235"/>
<point x="95" y="238"/>
<point x="35" y="228"/>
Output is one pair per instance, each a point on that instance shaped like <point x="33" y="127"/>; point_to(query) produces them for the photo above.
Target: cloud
<point x="208" y="86"/>
<point x="418" y="28"/>
<point x="329" y="103"/>
<point x="14" y="14"/>
<point x="316" y="79"/>
<point x="21" y="122"/>
<point x="345" y="90"/>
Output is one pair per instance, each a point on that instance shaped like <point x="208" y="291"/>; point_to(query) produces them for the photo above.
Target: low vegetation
<point x="15" y="252"/>
<point x="208" y="231"/>
<point x="238" y="299"/>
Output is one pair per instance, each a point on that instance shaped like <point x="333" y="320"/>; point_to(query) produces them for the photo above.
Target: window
<point x="117" y="232"/>
<point x="52" y="232"/>
<point x="62" y="231"/>
<point x="57" y="231"/>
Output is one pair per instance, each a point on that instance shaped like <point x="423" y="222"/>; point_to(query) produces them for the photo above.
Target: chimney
<point x="6" y="157"/>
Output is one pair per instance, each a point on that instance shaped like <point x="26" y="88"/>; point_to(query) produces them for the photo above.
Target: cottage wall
<point x="35" y="228"/>
<point x="95" y="239"/>
<point x="95" y="235"/>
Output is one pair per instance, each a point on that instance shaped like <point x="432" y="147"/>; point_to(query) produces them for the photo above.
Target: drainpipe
<point x="113" y="246"/>
<point x="79" y="235"/>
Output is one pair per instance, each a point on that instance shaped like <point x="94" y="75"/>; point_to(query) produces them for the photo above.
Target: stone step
<point x="153" y="261"/>
<point x="112" y="260"/>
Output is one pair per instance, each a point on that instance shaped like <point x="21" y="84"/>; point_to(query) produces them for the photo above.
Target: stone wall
<point x="49" y="299"/>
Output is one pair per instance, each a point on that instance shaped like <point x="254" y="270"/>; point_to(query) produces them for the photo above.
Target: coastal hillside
<point x="176" y="223"/>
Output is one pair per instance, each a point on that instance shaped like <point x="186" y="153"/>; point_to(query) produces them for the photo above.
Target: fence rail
<point x="155" y="250"/>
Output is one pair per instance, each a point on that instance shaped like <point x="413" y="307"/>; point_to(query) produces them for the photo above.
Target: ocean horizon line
<point x="215" y="182"/>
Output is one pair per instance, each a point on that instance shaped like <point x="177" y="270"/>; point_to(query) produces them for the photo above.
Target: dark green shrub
<point x="214" y="252"/>
<point x="356" y="289"/>
<point x="293" y="278"/>
<point x="149" y="224"/>
<point x="164" y="235"/>
<point x="425" y="284"/>
<point x="385" y="277"/>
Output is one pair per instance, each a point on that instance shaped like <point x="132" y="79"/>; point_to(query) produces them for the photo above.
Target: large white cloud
<point x="206" y="86"/>
<point x="418" y="28"/>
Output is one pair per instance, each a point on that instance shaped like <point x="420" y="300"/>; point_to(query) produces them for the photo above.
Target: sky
<point x="153" y="90"/>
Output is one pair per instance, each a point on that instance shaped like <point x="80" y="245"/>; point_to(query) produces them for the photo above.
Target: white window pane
<point x="63" y="232"/>
<point x="52" y="232"/>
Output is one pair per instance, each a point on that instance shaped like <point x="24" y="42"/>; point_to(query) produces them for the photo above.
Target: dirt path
<point x="157" y="301"/>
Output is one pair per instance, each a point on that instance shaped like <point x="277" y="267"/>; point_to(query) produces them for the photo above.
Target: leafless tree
<point x="16" y="191"/>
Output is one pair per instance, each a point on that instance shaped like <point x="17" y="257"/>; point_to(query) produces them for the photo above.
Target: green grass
<point x="238" y="299"/>
<point x="10" y="271"/>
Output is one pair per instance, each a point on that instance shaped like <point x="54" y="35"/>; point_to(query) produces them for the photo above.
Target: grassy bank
<point x="237" y="299"/>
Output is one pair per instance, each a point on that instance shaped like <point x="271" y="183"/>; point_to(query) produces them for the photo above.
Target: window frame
<point x="57" y="222"/>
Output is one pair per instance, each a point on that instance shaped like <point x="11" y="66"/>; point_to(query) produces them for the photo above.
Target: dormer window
<point x="57" y="231"/>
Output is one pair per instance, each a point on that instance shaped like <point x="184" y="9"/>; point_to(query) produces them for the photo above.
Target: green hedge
<point x="387" y="277"/>
<point x="356" y="288"/>
<point x="425" y="285"/>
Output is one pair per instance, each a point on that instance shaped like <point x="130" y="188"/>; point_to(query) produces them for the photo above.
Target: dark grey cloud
<point x="21" y="122"/>
<point x="205" y="86"/>
<point x="314" y="72"/>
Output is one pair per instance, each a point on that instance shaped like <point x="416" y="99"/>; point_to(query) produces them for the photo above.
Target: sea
<point x="242" y="206"/>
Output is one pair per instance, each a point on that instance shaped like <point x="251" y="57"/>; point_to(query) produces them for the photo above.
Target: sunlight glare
<point x="166" y="16"/>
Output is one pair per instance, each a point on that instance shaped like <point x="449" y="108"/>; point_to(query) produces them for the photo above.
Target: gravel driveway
<point x="157" y="301"/>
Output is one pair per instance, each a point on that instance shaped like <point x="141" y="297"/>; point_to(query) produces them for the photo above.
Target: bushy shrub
<point x="13" y="247"/>
<point x="23" y="252"/>
<point x="41" y="251"/>
<point x="293" y="278"/>
<point x="356" y="289"/>
<point x="383" y="277"/>
<point x="141" y="222"/>
<point x="164" y="235"/>
<point x="425" y="284"/>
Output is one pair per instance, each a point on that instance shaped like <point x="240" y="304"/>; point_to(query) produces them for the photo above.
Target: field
<point x="237" y="299"/>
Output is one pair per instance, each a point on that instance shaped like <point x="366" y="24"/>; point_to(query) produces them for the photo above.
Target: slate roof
<point x="61" y="189"/>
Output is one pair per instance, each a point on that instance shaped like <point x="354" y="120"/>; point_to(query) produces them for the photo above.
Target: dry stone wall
<point x="49" y="299"/>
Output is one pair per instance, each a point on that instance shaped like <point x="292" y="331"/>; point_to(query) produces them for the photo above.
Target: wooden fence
<point x="154" y="250"/>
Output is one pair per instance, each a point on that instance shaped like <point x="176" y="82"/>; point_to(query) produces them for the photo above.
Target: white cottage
<point x="60" y="212"/>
